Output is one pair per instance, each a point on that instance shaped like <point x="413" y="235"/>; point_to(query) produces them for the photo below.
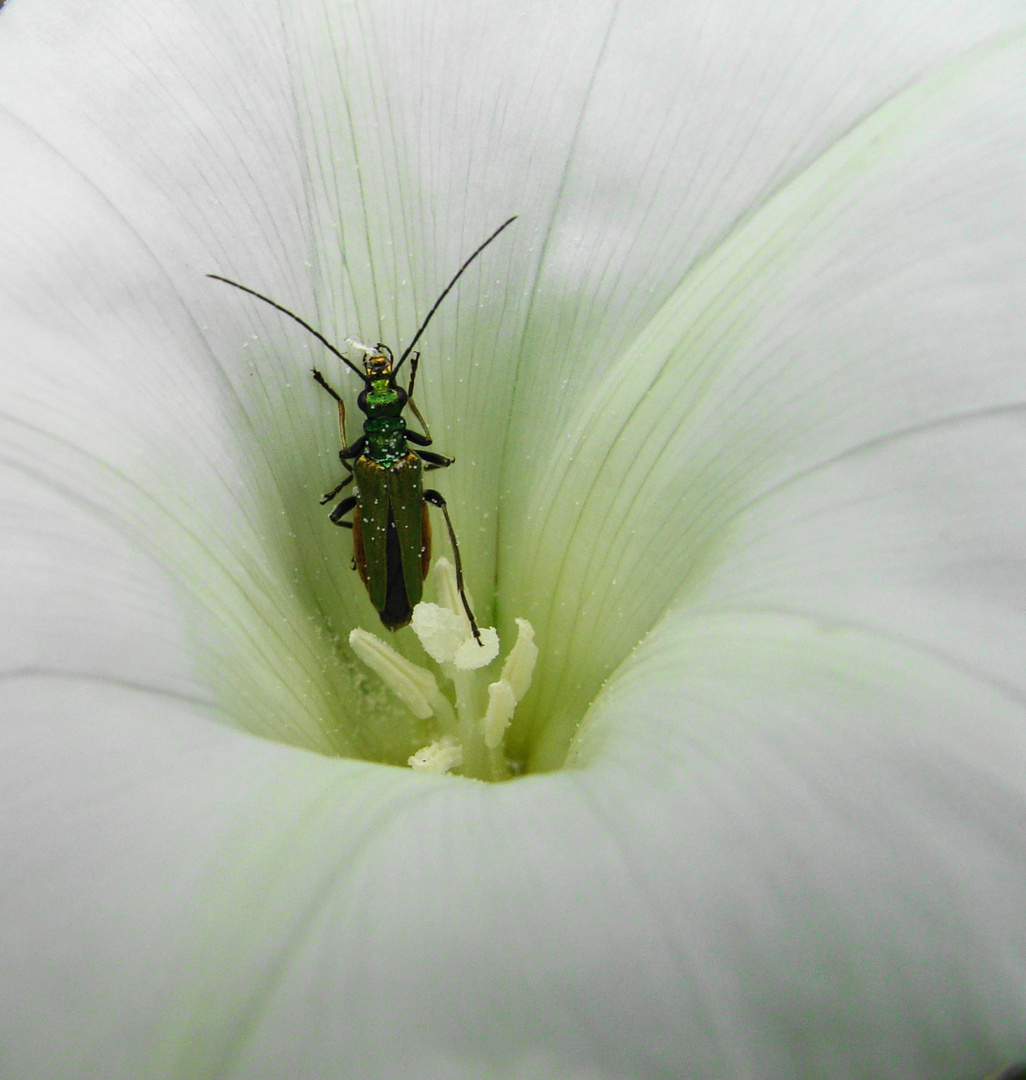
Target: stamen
<point x="444" y="629"/>
<point x="514" y="682"/>
<point x="414" y="686"/>
<point x="501" y="705"/>
<point x="440" y="630"/>
<point x="447" y="639"/>
<point x="519" y="666"/>
<point x="470" y="738"/>
<point x="438" y="757"/>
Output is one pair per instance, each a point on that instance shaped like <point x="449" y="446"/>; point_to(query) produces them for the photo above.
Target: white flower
<point x="737" y="420"/>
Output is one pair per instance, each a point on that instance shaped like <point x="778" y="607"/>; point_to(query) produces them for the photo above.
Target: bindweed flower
<point x="737" y="420"/>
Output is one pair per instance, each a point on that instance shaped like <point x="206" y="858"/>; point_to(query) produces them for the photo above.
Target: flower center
<point x="465" y="731"/>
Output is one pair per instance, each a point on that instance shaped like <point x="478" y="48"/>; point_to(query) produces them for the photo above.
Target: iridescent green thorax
<point x="386" y="439"/>
<point x="381" y="397"/>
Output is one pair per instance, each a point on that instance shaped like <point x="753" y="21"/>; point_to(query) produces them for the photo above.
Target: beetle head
<point x="378" y="366"/>
<point x="377" y="362"/>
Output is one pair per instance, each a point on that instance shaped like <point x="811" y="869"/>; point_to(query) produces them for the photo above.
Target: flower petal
<point x="693" y="899"/>
<point x="848" y="313"/>
<point x="844" y="813"/>
<point x="785" y="865"/>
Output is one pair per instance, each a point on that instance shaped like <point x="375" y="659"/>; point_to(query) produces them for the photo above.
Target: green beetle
<point x="390" y="523"/>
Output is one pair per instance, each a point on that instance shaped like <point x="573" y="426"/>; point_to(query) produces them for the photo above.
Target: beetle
<point x="390" y="524"/>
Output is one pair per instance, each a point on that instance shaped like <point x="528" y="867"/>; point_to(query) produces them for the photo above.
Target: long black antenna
<point x="446" y="291"/>
<point x="292" y="315"/>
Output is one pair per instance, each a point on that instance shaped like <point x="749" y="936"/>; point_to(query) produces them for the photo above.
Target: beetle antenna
<point x="295" y="318"/>
<point x="447" y="289"/>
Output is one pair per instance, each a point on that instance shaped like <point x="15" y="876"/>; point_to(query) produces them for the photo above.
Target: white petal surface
<point x="851" y="333"/>
<point x="845" y="819"/>
<point x="822" y="873"/>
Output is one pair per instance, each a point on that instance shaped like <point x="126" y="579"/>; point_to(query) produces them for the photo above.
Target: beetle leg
<point x="343" y="508"/>
<point x="434" y="461"/>
<point x="425" y="439"/>
<point x="435" y="499"/>
<point x="322" y="381"/>
<point x="335" y="490"/>
<point x="347" y="453"/>
<point x="414" y="362"/>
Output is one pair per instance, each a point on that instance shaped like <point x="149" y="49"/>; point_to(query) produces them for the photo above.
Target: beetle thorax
<point x="381" y="394"/>
<point x="386" y="438"/>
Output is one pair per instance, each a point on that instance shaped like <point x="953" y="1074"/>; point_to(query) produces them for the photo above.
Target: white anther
<point x="437" y="757"/>
<point x="447" y="638"/>
<point x="519" y="666"/>
<point x="501" y="705"/>
<point x="414" y="686"/>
